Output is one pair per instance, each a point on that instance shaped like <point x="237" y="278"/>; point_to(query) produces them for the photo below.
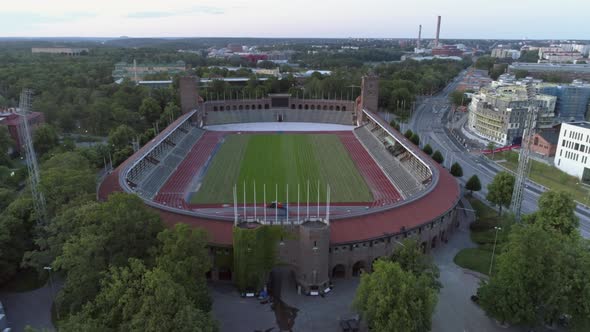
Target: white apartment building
<point x="573" y="150"/>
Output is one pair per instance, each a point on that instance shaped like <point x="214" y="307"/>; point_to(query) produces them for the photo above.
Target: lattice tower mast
<point x="525" y="151"/>
<point x="24" y="133"/>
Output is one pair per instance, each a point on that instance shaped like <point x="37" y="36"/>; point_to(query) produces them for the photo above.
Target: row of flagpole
<point x="276" y="219"/>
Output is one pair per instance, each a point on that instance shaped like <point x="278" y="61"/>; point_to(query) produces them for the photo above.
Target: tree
<point x="411" y="258"/>
<point x="171" y="112"/>
<point x="45" y="138"/>
<point x="415" y="139"/>
<point x="491" y="147"/>
<point x="557" y="213"/>
<point x="458" y="98"/>
<point x="185" y="257"/>
<point x="134" y="298"/>
<point x="111" y="233"/>
<point x="6" y="143"/>
<point x="473" y="184"/>
<point x="391" y="299"/>
<point x="536" y="280"/>
<point x="427" y="149"/>
<point x="438" y="157"/>
<point x="150" y="110"/>
<point x="66" y="177"/>
<point x="456" y="170"/>
<point x="500" y="190"/>
<point x="121" y="137"/>
<point x="408" y="134"/>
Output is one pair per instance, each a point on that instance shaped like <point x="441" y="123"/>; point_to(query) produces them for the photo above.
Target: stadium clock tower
<point x="369" y="95"/>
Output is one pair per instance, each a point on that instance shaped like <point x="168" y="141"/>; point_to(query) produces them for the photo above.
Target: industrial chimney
<point x="436" y="43"/>
<point x="419" y="36"/>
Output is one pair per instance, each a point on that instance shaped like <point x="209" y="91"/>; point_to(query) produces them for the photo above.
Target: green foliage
<point x="185" y="258"/>
<point x="108" y="235"/>
<point x="438" y="157"/>
<point x="255" y="254"/>
<point x="15" y="239"/>
<point x="557" y="213"/>
<point x="485" y="63"/>
<point x="408" y="134"/>
<point x="134" y="298"/>
<point x="67" y="177"/>
<point x="150" y="110"/>
<point x="45" y="138"/>
<point x="538" y="279"/>
<point x="411" y="259"/>
<point x="529" y="56"/>
<point x="427" y="149"/>
<point x="456" y="170"/>
<point x="458" y="98"/>
<point x="415" y="139"/>
<point x="500" y="190"/>
<point x="6" y="143"/>
<point x="391" y="299"/>
<point x="473" y="184"/>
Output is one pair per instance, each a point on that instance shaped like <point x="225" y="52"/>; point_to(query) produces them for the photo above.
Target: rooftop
<point x="581" y="124"/>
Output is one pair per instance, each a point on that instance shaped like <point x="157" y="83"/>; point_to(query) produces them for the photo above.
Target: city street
<point x="431" y="121"/>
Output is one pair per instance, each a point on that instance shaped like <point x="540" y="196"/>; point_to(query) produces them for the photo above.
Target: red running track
<point x="174" y="190"/>
<point x="384" y="193"/>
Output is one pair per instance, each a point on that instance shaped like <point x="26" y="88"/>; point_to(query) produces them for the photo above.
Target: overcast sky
<point x="515" y="19"/>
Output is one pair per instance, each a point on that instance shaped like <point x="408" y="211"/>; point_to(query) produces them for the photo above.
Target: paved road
<point x="455" y="311"/>
<point x="29" y="308"/>
<point x="431" y="121"/>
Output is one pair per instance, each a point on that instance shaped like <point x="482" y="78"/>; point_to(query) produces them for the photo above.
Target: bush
<point x="415" y="139"/>
<point x="408" y="134"/>
<point x="427" y="149"/>
<point x="437" y="156"/>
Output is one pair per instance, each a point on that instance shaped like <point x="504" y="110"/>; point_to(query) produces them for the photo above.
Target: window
<point x="558" y="161"/>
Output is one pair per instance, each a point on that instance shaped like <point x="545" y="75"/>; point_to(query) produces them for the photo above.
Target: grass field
<point x="281" y="159"/>
<point x="483" y="234"/>
<point x="546" y="175"/>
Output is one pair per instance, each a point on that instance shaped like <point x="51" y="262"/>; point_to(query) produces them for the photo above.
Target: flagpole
<point x="244" y="199"/>
<point x="307" y="198"/>
<point x="298" y="217"/>
<point x="264" y="198"/>
<point x="276" y="203"/>
<point x="287" y="202"/>
<point x="318" y="199"/>
<point x="254" y="199"/>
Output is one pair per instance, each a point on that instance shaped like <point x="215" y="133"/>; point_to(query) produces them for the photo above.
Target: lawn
<point x="483" y="234"/>
<point x="273" y="160"/>
<point x="546" y="175"/>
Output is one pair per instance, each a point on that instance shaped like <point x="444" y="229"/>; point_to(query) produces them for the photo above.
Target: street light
<point x="494" y="250"/>
<point x="49" y="269"/>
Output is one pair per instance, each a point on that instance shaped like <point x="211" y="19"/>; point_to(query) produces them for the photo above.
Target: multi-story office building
<point x="573" y="150"/>
<point x="573" y="100"/>
<point x="498" y="114"/>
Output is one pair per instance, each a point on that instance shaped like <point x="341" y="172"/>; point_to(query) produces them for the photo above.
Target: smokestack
<point x="419" y="36"/>
<point x="436" y="43"/>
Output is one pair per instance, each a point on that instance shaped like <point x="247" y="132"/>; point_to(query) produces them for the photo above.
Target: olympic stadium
<point x="332" y="172"/>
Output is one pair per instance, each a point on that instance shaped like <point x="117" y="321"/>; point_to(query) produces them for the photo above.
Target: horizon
<point x="375" y="19"/>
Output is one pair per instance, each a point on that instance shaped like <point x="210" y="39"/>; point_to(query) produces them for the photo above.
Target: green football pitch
<point x="273" y="160"/>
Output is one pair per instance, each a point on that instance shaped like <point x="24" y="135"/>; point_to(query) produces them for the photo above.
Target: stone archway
<point x="339" y="271"/>
<point x="225" y="274"/>
<point x="358" y="268"/>
<point x="433" y="243"/>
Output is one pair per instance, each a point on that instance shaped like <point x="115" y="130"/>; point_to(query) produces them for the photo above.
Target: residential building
<point x="72" y="51"/>
<point x="137" y="72"/>
<point x="564" y="71"/>
<point x="573" y="100"/>
<point x="544" y="142"/>
<point x="498" y="114"/>
<point x="573" y="150"/>
<point x="11" y="120"/>
<point x="447" y="50"/>
<point x="505" y="53"/>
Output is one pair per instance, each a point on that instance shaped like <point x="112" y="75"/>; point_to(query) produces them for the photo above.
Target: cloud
<point x="194" y="10"/>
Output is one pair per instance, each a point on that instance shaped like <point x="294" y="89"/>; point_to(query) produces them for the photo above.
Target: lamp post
<point x="49" y="269"/>
<point x="494" y="249"/>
